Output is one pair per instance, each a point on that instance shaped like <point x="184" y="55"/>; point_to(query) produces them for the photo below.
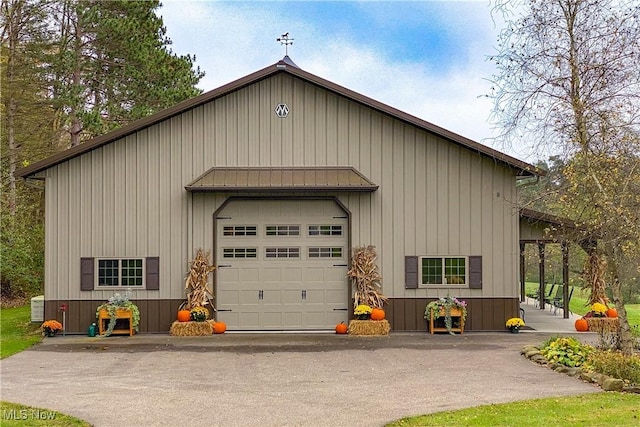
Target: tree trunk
<point x="626" y="337"/>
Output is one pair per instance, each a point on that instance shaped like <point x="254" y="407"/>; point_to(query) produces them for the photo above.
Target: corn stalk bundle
<point x="594" y="279"/>
<point x="196" y="283"/>
<point x="366" y="277"/>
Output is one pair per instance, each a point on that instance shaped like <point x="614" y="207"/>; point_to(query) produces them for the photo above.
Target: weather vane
<point x="286" y="41"/>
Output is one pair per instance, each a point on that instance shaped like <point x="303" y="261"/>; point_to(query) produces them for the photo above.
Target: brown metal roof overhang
<point x="282" y="179"/>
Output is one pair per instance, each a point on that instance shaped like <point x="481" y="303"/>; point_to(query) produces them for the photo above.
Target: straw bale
<point x="191" y="329"/>
<point x="603" y="324"/>
<point x="369" y="327"/>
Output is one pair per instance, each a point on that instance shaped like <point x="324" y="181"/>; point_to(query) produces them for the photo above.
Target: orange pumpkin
<point x="184" y="315"/>
<point x="582" y="325"/>
<point x="341" y="328"/>
<point x="219" y="327"/>
<point x="377" y="314"/>
<point x="612" y="312"/>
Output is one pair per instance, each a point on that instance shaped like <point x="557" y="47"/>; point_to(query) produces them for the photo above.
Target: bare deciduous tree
<point x="568" y="81"/>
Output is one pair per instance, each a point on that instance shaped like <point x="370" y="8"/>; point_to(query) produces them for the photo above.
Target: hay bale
<point x="369" y="327"/>
<point x="191" y="329"/>
<point x="609" y="325"/>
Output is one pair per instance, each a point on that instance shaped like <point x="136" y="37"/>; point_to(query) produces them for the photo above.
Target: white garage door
<point x="282" y="265"/>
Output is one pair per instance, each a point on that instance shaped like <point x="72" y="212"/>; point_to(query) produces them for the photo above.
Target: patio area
<point x="548" y="320"/>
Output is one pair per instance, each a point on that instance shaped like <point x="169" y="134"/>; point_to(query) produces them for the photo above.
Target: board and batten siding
<point x="127" y="198"/>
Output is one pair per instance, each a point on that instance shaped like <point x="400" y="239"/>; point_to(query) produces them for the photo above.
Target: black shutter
<point x="87" y="276"/>
<point x="475" y="272"/>
<point x="153" y="273"/>
<point x="411" y="272"/>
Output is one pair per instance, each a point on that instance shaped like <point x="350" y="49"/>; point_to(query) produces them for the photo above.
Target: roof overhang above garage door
<point x="282" y="179"/>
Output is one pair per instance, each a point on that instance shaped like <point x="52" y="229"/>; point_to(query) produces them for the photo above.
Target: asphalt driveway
<point x="276" y="379"/>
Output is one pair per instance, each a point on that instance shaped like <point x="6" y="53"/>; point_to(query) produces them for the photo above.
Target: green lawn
<point x="16" y="330"/>
<point x="14" y="415"/>
<point x="597" y="409"/>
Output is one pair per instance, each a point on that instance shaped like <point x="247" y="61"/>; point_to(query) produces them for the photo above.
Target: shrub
<point x="567" y="351"/>
<point x="616" y="364"/>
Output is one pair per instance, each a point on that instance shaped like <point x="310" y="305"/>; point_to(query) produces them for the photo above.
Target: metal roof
<point x="283" y="66"/>
<point x="279" y="179"/>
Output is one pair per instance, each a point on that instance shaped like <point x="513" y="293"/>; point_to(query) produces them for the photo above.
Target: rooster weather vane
<point x="286" y="41"/>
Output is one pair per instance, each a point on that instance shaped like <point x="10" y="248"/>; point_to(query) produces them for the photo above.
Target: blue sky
<point x="427" y="58"/>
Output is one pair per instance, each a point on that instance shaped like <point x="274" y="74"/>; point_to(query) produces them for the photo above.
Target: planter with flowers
<point x="598" y="321"/>
<point x="514" y="324"/>
<point x="50" y="328"/>
<point x="122" y="315"/>
<point x="453" y="312"/>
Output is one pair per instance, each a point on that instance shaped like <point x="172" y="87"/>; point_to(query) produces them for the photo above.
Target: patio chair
<point x="558" y="295"/>
<point x="559" y="302"/>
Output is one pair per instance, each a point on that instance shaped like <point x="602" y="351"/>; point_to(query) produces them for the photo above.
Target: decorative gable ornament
<point x="282" y="110"/>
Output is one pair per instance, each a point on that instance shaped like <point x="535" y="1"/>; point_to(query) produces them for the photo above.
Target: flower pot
<point x="51" y="333"/>
<point x="514" y="330"/>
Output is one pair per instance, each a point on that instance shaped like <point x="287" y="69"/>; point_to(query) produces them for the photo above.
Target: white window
<point x="120" y="272"/>
<point x="448" y="271"/>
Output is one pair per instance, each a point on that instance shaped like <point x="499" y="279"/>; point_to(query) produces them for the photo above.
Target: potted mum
<point x="514" y="324"/>
<point x="447" y="307"/>
<point x="362" y="312"/>
<point x="51" y="327"/>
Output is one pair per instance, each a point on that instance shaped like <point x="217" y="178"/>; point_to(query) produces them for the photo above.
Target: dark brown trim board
<point x="404" y="314"/>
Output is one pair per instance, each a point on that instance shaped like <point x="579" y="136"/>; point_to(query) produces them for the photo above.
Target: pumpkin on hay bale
<point x="191" y="329"/>
<point x="369" y="327"/>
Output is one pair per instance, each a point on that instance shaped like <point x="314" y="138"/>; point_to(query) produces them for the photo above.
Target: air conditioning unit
<point x="37" y="309"/>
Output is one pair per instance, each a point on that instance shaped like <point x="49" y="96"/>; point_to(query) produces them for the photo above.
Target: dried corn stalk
<point x="366" y="277"/>
<point x="594" y="279"/>
<point x="197" y="282"/>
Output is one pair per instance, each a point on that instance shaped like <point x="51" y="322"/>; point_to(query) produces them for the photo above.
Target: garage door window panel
<point x="279" y="252"/>
<point x="282" y="230"/>
<point x="240" y="230"/>
<point x="325" y="252"/>
<point x="325" y="230"/>
<point x="240" y="253"/>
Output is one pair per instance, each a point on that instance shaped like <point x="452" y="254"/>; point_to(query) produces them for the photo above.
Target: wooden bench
<point x="125" y="315"/>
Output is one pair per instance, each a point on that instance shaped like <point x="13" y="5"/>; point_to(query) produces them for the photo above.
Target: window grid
<point x="431" y="271"/>
<point x="131" y="272"/>
<point x="443" y="271"/>
<point x="283" y="230"/>
<point x="239" y="253"/>
<point x="318" y="252"/>
<point x="120" y="272"/>
<point x="325" y="230"/>
<point x="240" y="230"/>
<point x="282" y="252"/>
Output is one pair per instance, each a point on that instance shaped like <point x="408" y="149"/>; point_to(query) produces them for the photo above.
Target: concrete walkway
<point x="547" y="320"/>
<point x="277" y="379"/>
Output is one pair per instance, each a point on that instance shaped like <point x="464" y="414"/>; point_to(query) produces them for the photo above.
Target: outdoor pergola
<point x="542" y="229"/>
